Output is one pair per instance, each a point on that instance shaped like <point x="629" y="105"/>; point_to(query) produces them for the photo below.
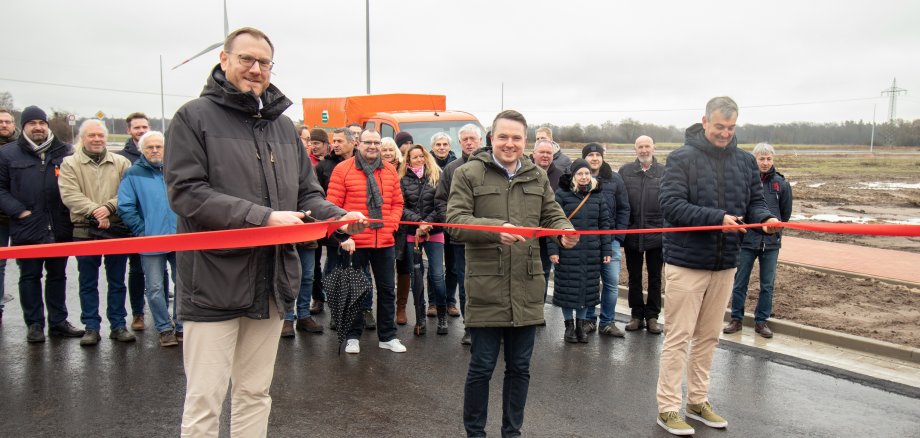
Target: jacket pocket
<point x="290" y="263"/>
<point x="485" y="202"/>
<point x="29" y="230"/>
<point x="22" y="177"/>
<point x="224" y="279"/>
<point x="486" y="282"/>
<point x="533" y="204"/>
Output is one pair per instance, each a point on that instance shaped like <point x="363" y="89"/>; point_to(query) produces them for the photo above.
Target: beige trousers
<point x="694" y="310"/>
<point x="240" y="352"/>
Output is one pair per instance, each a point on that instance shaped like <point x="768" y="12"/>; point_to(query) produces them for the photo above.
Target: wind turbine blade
<point x="226" y="23"/>
<point x="211" y="47"/>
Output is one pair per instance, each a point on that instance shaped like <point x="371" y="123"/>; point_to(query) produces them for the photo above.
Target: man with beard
<point x="29" y="177"/>
<point x="138" y="125"/>
<point x="8" y="134"/>
<point x="642" y="178"/>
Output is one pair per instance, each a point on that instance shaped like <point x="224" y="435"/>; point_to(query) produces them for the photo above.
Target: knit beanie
<point x="578" y="164"/>
<point x="591" y="147"/>
<point x="33" y="113"/>
<point x="317" y="134"/>
<point x="403" y="138"/>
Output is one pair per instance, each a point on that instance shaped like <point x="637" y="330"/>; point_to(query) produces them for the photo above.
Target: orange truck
<point x="421" y="115"/>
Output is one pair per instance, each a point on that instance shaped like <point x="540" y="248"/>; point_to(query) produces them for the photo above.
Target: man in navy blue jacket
<point x="29" y="196"/>
<point x="758" y="245"/>
<point x="708" y="181"/>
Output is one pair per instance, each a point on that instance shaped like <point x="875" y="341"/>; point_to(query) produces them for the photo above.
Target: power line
<point x="649" y="110"/>
<point x="84" y="87"/>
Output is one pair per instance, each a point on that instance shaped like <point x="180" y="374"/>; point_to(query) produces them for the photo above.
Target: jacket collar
<point x="219" y="90"/>
<point x="696" y="137"/>
<point x="84" y="159"/>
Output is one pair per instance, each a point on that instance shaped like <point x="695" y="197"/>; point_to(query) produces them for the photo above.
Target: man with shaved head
<point x="642" y="178"/>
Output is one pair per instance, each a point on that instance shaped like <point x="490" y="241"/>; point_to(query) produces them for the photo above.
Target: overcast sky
<point x="560" y="61"/>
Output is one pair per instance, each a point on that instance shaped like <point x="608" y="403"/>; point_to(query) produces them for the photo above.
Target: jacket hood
<point x="565" y="183"/>
<point x="605" y="172"/>
<point x="142" y="162"/>
<point x="696" y="137"/>
<point x="772" y="172"/>
<point x="219" y="90"/>
<point x="131" y="147"/>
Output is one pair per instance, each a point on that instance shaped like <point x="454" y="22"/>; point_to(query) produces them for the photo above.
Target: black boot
<point x="580" y="331"/>
<point x="442" y="320"/>
<point x="570" y="331"/>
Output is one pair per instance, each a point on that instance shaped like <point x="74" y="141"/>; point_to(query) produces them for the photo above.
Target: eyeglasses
<point x="247" y="61"/>
<point x="371" y="143"/>
<point x="6" y="122"/>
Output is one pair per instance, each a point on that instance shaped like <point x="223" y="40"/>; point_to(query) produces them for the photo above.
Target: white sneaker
<point x="393" y="345"/>
<point x="351" y="346"/>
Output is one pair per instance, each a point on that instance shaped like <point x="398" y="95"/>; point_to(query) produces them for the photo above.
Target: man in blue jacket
<point x="761" y="246"/>
<point x="708" y="181"/>
<point x="29" y="195"/>
<point x="143" y="206"/>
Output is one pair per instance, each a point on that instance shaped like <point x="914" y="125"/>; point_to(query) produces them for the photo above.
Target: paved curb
<point x="845" y="340"/>
<point x="850" y="274"/>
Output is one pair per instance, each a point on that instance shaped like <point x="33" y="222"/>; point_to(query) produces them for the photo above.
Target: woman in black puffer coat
<point x="578" y="270"/>
<point x="419" y="175"/>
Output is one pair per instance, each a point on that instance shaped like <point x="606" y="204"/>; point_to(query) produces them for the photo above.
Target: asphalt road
<point x="605" y="388"/>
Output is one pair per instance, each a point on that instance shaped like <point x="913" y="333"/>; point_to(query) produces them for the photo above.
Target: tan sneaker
<point x="704" y="413"/>
<point x="672" y="422"/>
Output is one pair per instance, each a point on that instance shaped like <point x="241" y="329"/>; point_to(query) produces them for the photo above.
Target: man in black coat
<point x="758" y="245"/>
<point x="642" y="178"/>
<point x="708" y="181"/>
<point x="29" y="195"/>
<point x="543" y="157"/>
<point x="8" y="134"/>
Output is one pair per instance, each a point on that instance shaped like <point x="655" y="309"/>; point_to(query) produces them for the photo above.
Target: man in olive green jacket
<point x="504" y="275"/>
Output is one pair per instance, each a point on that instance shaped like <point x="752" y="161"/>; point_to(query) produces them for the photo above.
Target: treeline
<point x="899" y="133"/>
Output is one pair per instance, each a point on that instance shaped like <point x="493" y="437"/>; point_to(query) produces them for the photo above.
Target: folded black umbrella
<point x="418" y="289"/>
<point x="346" y="288"/>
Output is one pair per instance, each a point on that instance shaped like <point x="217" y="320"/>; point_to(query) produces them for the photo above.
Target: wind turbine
<point x="212" y="46"/>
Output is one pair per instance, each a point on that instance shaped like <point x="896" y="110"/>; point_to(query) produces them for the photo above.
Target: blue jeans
<point x="487" y="341"/>
<point x="459" y="268"/>
<point x="437" y="288"/>
<point x="383" y="262"/>
<point x="579" y="313"/>
<point x="88" y="268"/>
<point x="307" y="263"/>
<point x="30" y="290"/>
<point x="743" y="276"/>
<point x="610" y="277"/>
<point x="157" y="295"/>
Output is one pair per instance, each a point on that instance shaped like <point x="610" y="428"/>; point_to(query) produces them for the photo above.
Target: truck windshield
<point x="422" y="132"/>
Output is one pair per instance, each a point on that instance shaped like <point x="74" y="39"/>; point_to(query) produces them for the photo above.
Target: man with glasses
<point x="367" y="184"/>
<point x="254" y="173"/>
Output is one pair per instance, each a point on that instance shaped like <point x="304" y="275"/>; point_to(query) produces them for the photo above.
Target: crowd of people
<point x="219" y="167"/>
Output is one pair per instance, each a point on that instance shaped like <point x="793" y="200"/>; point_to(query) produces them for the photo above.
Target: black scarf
<point x="374" y="199"/>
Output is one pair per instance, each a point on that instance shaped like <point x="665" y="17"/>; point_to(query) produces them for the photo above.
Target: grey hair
<point x="723" y="104"/>
<point x="87" y="122"/>
<point x="347" y="132"/>
<point x="439" y="135"/>
<point x="148" y="134"/>
<point x="552" y="146"/>
<point x="470" y="127"/>
<point x="763" y="149"/>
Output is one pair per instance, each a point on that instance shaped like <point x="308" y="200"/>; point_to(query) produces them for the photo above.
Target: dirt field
<point x="852" y="188"/>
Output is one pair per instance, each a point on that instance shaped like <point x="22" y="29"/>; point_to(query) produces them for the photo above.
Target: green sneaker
<point x="703" y="412"/>
<point x="672" y="422"/>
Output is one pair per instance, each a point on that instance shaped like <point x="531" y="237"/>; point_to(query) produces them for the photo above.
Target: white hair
<point x="470" y="127"/>
<point x="439" y="135"/>
<point x="763" y="149"/>
<point x="140" y="143"/>
<point x="86" y="124"/>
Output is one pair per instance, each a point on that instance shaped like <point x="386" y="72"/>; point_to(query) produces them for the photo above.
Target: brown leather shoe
<point x="309" y="325"/>
<point x="138" y="323"/>
<point x="634" y="324"/>
<point x="432" y="311"/>
<point x="402" y="298"/>
<point x="452" y="310"/>
<point x="732" y="327"/>
<point x="401" y="318"/>
<point x="763" y="329"/>
<point x="287" y="330"/>
<point x="316" y="307"/>
<point x="652" y="326"/>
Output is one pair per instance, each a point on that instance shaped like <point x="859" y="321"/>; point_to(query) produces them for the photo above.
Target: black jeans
<point x="518" y="345"/>
<point x="30" y="290"/>
<point x="653" y="262"/>
<point x="318" y="294"/>
<point x="450" y="273"/>
<point x="382" y="262"/>
<point x="547" y="265"/>
<point x="137" y="284"/>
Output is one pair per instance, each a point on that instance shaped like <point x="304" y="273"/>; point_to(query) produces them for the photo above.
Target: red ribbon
<point x="261" y="236"/>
